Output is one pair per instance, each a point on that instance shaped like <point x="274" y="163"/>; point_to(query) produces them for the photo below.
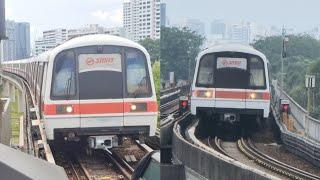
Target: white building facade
<point x="87" y="30"/>
<point x="50" y="39"/>
<point x="95" y="29"/>
<point x="141" y="19"/>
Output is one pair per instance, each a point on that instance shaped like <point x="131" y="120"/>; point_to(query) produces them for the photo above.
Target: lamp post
<point x="285" y="40"/>
<point x="189" y="66"/>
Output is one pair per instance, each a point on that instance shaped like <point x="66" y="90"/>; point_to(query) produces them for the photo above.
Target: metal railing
<point x="310" y="125"/>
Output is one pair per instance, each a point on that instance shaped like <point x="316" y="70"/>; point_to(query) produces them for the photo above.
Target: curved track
<point x="248" y="148"/>
<point x="217" y="145"/>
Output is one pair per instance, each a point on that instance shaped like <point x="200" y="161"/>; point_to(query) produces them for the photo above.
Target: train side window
<point x="137" y="77"/>
<point x="257" y="75"/>
<point x="205" y="72"/>
<point x="64" y="80"/>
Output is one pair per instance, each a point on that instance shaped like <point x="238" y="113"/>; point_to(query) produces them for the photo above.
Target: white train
<point x="230" y="81"/>
<point x="95" y="85"/>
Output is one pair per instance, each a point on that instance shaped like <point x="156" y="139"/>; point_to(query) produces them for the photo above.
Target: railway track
<point x="244" y="151"/>
<point x="99" y="165"/>
<point x="248" y="148"/>
<point x="169" y="108"/>
<point x="71" y="165"/>
<point x="217" y="145"/>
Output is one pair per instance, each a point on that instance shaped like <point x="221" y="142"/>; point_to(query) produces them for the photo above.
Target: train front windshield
<point x="231" y="70"/>
<point x="113" y="73"/>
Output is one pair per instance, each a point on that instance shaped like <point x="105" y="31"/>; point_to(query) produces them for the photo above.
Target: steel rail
<point x="264" y="160"/>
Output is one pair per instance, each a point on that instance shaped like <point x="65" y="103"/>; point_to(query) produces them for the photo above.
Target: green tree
<point x="153" y="47"/>
<point x="303" y="57"/>
<point x="156" y="77"/>
<point x="178" y="48"/>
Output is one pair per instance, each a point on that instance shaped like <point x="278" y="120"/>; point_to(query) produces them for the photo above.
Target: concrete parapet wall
<point x="205" y="163"/>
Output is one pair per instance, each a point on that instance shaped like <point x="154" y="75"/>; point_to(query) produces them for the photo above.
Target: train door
<point x="100" y="72"/>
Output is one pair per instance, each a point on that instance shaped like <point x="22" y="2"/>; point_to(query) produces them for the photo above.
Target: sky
<point x="50" y="14"/>
<point x="301" y="15"/>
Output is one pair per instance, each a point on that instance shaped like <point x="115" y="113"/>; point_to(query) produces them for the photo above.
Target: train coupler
<point x="103" y="142"/>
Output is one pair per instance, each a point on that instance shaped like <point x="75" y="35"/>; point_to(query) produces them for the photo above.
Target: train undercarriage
<point x="229" y="123"/>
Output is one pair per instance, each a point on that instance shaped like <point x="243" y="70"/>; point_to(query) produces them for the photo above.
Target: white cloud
<point x="114" y="16"/>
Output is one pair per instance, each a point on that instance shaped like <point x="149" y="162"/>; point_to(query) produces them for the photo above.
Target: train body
<point x="230" y="81"/>
<point x="95" y="85"/>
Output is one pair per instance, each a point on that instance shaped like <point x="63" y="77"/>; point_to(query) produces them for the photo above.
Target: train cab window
<point x="137" y="78"/>
<point x="206" y="69"/>
<point x="64" y="81"/>
<point x="257" y="75"/>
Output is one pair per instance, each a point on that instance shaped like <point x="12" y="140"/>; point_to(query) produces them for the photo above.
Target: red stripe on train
<point x="96" y="108"/>
<point x="242" y="95"/>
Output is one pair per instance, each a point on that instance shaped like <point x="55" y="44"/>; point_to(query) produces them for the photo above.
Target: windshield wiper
<point x="68" y="87"/>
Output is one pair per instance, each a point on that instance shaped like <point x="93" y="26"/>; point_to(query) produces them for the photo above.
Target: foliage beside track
<point x="178" y="48"/>
<point x="15" y="121"/>
<point x="156" y="77"/>
<point x="303" y="57"/>
<point x="153" y="47"/>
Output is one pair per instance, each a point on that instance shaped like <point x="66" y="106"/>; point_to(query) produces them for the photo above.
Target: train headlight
<point x="64" y="109"/>
<point x="133" y="107"/>
<point x="204" y="93"/>
<point x="208" y="94"/>
<point x="138" y="107"/>
<point x="69" y="109"/>
<point x="253" y="96"/>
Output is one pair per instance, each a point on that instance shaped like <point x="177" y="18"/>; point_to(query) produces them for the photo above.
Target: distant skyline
<point x="297" y="14"/>
<point x="51" y="14"/>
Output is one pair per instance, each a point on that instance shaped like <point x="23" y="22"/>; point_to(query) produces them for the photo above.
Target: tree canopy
<point x="303" y="57"/>
<point x="178" y="48"/>
<point x="153" y="47"/>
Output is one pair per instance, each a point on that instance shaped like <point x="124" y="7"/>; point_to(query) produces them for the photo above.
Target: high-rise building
<point x="141" y="19"/>
<point x="2" y="20"/>
<point x="50" y="39"/>
<point x="219" y="28"/>
<point x="163" y="14"/>
<point x="8" y="48"/>
<point x="196" y="25"/>
<point x="17" y="44"/>
<point x="240" y="33"/>
<point x="23" y="40"/>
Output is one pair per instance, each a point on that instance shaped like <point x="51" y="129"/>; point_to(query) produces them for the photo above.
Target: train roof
<point x="97" y="39"/>
<point x="233" y="48"/>
<point x="88" y="40"/>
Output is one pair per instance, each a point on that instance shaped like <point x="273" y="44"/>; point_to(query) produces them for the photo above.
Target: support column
<point x="6" y="89"/>
<point x="12" y="93"/>
<point x="5" y="131"/>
